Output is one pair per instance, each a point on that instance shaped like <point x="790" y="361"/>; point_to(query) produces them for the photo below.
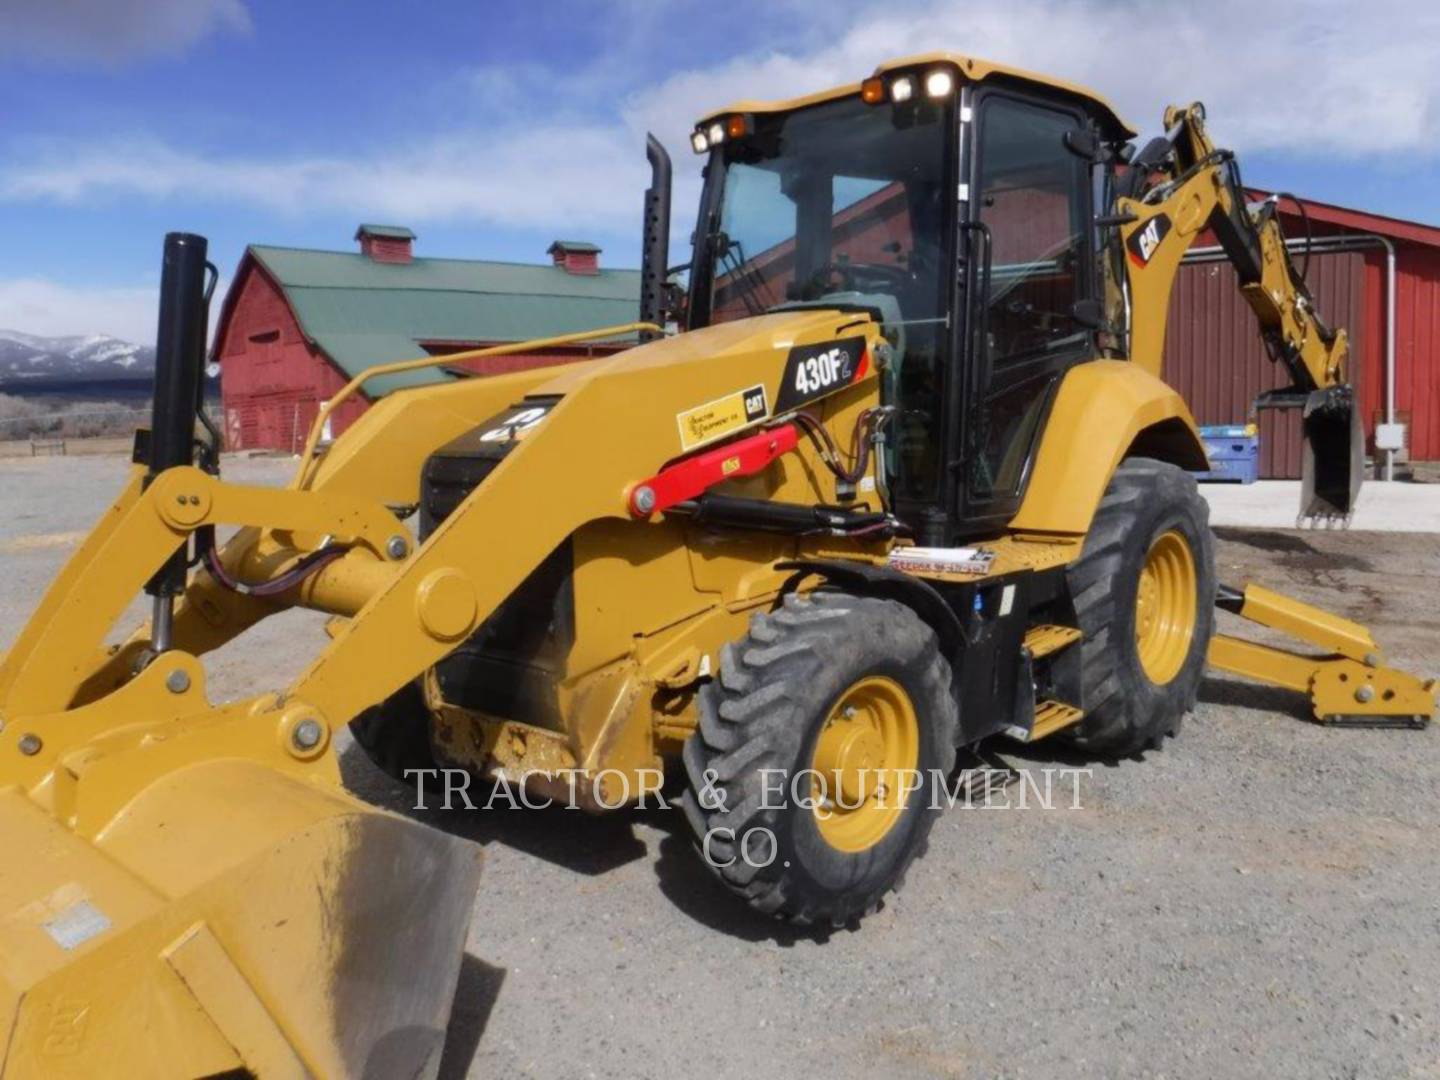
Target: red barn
<point x="1378" y="277"/>
<point x="298" y="324"/>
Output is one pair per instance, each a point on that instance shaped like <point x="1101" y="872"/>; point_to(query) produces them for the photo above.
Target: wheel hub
<point x="864" y="748"/>
<point x="1166" y="603"/>
<point x="849" y="753"/>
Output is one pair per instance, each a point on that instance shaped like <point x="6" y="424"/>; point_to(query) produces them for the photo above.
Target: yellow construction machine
<point x="909" y="479"/>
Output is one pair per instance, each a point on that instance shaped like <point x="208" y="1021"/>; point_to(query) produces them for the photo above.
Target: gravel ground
<point x="1262" y="896"/>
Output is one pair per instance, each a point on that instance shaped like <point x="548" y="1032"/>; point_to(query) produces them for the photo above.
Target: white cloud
<point x="112" y="32"/>
<point x="537" y="177"/>
<point x="49" y="309"/>
<point x="1314" y="78"/>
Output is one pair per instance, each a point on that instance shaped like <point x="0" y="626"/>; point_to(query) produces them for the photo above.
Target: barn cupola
<point x="575" y="256"/>
<point x="386" y="243"/>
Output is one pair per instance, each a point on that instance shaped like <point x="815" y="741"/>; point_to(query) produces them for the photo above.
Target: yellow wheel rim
<point x="1165" y="605"/>
<point x="865" y="754"/>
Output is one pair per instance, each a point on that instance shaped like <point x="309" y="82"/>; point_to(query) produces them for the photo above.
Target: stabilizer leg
<point x="1347" y="685"/>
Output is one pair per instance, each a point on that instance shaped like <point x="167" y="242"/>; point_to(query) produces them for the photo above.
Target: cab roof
<point x="969" y="68"/>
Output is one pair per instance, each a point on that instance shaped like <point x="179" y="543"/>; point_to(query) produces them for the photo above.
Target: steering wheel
<point x="855" y="277"/>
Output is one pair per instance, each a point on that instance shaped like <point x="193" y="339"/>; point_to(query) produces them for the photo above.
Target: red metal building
<point x="1368" y="273"/>
<point x="298" y="324"/>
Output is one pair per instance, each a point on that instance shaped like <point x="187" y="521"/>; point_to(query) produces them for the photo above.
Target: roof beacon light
<point x="699" y="142"/>
<point x="737" y="127"/>
<point x="902" y="89"/>
<point x="872" y="91"/>
<point x="939" y="83"/>
<point x="715" y="133"/>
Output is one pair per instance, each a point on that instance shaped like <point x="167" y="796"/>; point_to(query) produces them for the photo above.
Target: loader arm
<point x="117" y="766"/>
<point x="1176" y="187"/>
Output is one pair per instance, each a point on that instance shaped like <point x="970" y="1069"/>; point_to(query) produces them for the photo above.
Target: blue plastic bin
<point x="1234" y="451"/>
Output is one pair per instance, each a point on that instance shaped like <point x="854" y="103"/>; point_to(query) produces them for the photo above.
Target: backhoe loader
<point x="899" y="476"/>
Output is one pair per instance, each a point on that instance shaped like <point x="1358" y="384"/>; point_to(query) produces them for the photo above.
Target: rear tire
<point x="1144" y="593"/>
<point x="848" y="686"/>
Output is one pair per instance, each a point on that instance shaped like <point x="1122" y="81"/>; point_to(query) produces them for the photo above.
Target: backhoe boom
<point x="1180" y="184"/>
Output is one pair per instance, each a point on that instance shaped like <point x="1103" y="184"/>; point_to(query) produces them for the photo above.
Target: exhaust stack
<point x="179" y="386"/>
<point x="655" y="250"/>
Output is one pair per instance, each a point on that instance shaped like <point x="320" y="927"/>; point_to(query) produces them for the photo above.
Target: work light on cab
<point x="939" y="83"/>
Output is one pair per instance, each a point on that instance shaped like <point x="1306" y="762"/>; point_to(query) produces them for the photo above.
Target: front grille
<point x="508" y="668"/>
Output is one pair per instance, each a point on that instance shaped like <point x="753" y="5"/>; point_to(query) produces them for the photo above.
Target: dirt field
<point x="1260" y="897"/>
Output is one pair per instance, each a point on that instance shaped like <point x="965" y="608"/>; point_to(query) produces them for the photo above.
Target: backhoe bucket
<point x="229" y="920"/>
<point x="1334" y="460"/>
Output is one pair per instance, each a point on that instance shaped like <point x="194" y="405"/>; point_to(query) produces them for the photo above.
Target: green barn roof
<point x="361" y="312"/>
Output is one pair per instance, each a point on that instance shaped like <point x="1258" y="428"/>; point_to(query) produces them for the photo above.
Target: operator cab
<point x="953" y="200"/>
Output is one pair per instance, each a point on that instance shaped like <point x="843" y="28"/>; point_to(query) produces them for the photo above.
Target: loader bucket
<point x="1334" y="457"/>
<point x="229" y="920"/>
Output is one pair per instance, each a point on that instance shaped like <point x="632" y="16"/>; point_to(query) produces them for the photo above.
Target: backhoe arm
<point x="1314" y="355"/>
<point x="1176" y="187"/>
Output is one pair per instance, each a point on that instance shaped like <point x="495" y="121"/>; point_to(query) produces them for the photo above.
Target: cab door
<point x="1031" y="264"/>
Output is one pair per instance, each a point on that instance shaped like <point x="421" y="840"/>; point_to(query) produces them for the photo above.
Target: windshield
<point x="843" y="202"/>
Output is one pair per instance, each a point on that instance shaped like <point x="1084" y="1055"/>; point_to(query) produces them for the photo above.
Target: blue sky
<point x="492" y="127"/>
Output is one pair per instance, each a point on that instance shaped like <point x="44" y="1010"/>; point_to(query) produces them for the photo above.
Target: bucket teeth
<point x="1323" y="521"/>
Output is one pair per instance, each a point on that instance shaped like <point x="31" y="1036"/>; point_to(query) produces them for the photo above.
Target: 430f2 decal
<point x="812" y="371"/>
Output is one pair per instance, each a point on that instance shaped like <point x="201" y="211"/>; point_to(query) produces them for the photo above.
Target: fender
<point x="914" y="592"/>
<point x="1104" y="411"/>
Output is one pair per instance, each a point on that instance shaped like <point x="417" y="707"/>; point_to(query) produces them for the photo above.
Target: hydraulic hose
<point x="303" y="568"/>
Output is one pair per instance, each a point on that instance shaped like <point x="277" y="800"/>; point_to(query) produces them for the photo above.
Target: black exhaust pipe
<point x="179" y="386"/>
<point x="179" y="354"/>
<point x="655" y="251"/>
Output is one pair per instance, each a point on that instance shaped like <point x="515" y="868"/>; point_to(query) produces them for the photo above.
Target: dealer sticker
<point x="927" y="560"/>
<point x="721" y="417"/>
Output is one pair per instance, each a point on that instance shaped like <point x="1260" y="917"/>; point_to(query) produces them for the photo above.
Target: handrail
<point x="303" y="475"/>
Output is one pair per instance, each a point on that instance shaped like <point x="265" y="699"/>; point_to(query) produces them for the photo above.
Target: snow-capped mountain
<point x="81" y="359"/>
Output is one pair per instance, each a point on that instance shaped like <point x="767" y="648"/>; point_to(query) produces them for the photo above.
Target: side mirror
<point x="1083" y="143"/>
<point x="1088" y="313"/>
<point x="677" y="302"/>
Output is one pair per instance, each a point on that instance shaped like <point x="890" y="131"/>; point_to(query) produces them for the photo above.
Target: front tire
<point x="1144" y="594"/>
<point x="855" y="689"/>
<point x="395" y="734"/>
